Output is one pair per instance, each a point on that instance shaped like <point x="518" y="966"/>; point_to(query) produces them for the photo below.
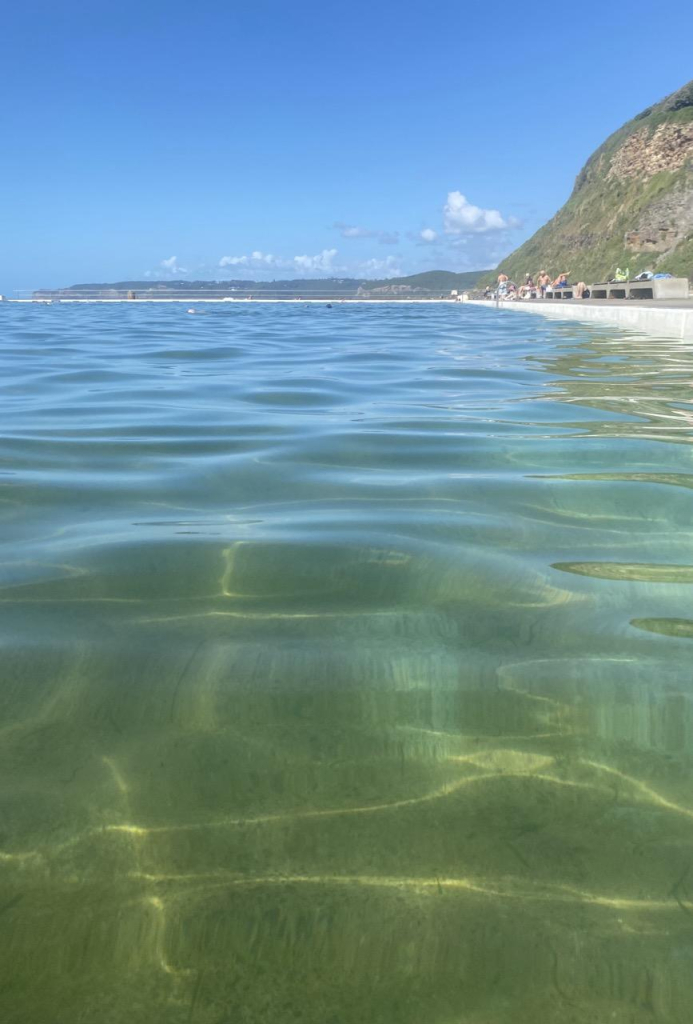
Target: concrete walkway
<point x="671" y="318"/>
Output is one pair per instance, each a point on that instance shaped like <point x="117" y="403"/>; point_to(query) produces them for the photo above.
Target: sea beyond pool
<point x="346" y="668"/>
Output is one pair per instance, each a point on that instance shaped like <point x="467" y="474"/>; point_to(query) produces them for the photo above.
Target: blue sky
<point x="270" y="139"/>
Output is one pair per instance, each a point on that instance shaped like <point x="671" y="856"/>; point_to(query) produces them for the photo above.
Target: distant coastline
<point x="392" y="300"/>
<point x="432" y="284"/>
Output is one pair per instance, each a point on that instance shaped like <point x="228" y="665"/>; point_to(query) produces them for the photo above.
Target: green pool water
<point x="347" y="668"/>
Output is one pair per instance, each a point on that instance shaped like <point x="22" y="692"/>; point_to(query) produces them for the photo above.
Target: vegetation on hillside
<point x="632" y="205"/>
<point x="443" y="281"/>
<point x="429" y="283"/>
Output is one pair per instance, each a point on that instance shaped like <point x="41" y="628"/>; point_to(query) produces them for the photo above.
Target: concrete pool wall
<point x="673" y="320"/>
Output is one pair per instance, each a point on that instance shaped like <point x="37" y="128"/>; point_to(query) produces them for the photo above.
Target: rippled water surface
<point x="346" y="668"/>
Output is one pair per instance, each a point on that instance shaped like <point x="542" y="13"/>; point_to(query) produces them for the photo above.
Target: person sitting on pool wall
<point x="527" y="291"/>
<point x="544" y="281"/>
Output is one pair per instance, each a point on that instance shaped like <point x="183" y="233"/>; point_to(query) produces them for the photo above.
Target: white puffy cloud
<point x="258" y="261"/>
<point x="323" y="262"/>
<point x="255" y="259"/>
<point x="353" y="231"/>
<point x="380" y="268"/>
<point x="460" y="217"/>
<point x="170" y="266"/>
<point x="428" y="235"/>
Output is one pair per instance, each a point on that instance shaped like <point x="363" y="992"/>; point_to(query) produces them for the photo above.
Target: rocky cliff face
<point x="632" y="205"/>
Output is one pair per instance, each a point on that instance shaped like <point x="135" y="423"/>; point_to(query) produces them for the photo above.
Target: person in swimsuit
<point x="543" y="281"/>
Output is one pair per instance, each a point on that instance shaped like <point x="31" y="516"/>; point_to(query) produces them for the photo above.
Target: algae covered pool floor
<point x="346" y="668"/>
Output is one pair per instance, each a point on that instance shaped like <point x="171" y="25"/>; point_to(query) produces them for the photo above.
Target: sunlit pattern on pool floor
<point x="346" y="668"/>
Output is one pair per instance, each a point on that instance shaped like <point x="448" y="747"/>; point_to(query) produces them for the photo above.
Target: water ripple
<point x="345" y="670"/>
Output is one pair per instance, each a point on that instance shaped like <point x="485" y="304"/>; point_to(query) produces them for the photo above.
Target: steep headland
<point x="632" y="204"/>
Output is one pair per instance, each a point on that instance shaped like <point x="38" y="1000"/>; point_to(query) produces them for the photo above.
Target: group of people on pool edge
<point x="507" y="289"/>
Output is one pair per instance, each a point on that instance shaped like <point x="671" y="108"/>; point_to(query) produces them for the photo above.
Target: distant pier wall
<point x="664" y="322"/>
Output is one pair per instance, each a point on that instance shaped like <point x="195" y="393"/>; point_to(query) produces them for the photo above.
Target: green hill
<point x="632" y="205"/>
<point x="432" y="281"/>
<point x="314" y="287"/>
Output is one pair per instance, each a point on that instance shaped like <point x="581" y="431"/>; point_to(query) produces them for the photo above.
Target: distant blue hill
<point x="433" y="282"/>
